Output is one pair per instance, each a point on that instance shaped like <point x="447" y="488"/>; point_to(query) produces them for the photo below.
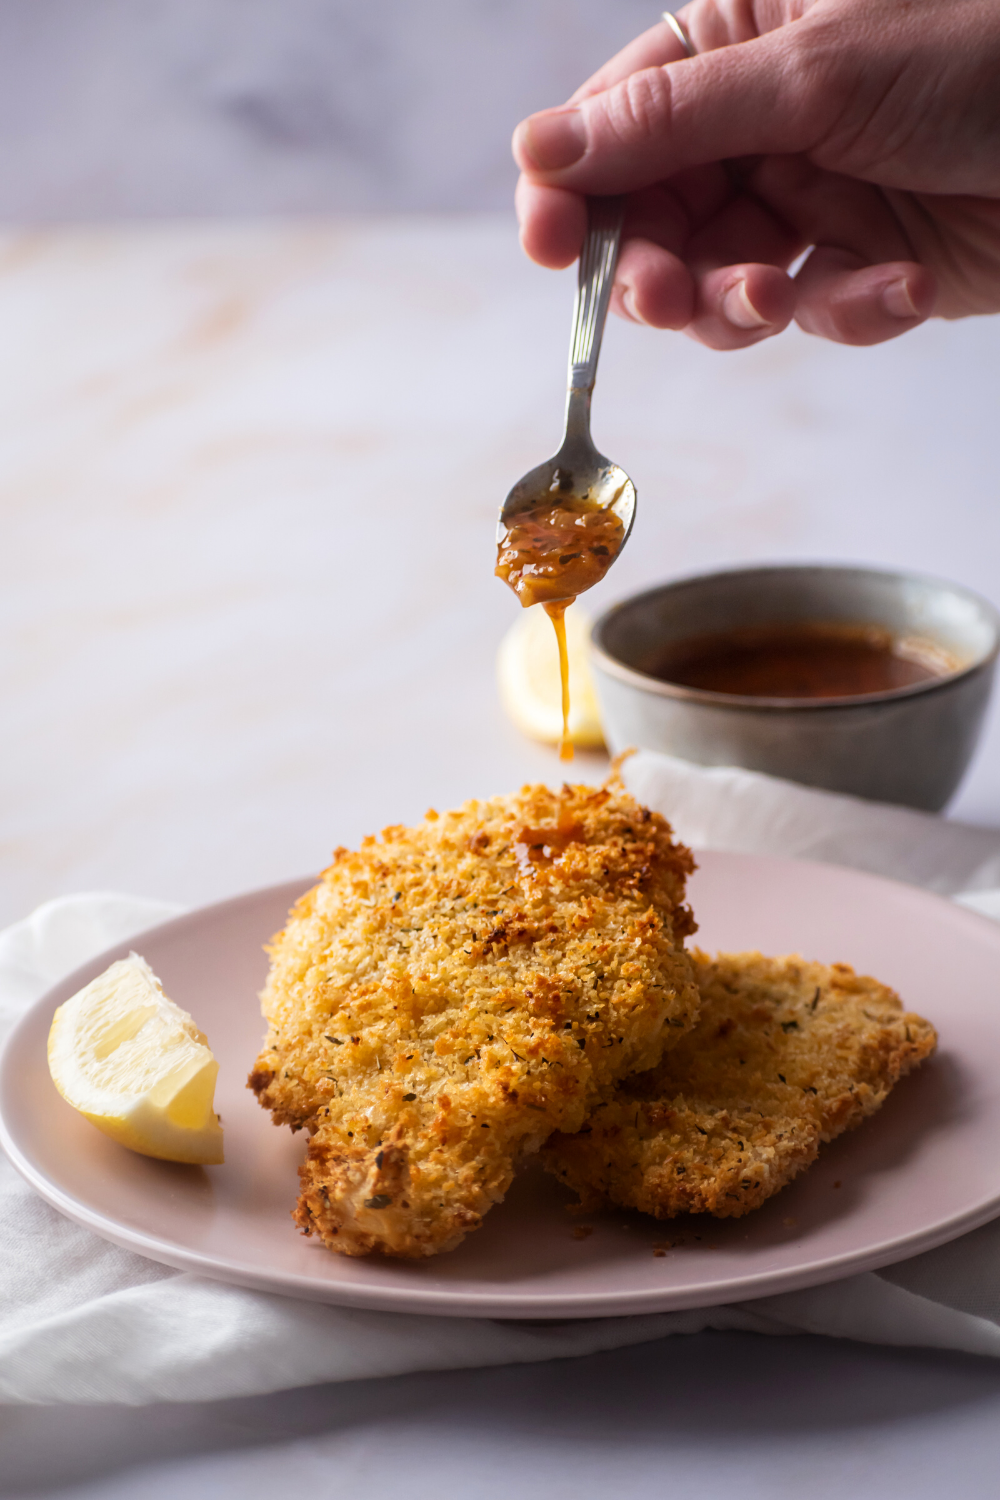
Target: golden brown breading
<point x="446" y="998"/>
<point x="785" y="1055"/>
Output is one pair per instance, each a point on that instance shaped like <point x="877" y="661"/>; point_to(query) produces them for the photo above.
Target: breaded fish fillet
<point x="785" y="1055"/>
<point x="448" y="996"/>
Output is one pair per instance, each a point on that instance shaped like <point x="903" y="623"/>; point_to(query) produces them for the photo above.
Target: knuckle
<point x="639" y="108"/>
<point x="721" y="23"/>
<point x="818" y="60"/>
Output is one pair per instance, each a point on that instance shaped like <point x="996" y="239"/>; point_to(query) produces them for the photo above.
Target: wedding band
<point x="680" y="33"/>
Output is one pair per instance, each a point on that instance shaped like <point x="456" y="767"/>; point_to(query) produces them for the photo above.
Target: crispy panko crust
<point x="448" y="996"/>
<point x="785" y="1055"/>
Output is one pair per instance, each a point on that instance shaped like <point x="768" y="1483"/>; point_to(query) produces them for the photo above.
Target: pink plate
<point x="921" y="1172"/>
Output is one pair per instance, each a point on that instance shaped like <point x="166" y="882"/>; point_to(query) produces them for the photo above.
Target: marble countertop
<point x="249" y="478"/>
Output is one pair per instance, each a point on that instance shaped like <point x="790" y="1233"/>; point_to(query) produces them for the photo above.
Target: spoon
<point x="578" y="478"/>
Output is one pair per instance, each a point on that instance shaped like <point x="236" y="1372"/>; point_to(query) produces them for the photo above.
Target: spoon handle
<point x="595" y="279"/>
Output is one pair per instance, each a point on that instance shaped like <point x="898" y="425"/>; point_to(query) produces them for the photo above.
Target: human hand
<point x="867" y="129"/>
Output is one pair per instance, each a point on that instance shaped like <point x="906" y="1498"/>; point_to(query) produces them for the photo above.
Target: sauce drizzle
<point x="553" y="551"/>
<point x="557" y="614"/>
<point x="538" y="848"/>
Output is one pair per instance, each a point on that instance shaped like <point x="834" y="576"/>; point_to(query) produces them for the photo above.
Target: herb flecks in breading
<point x="450" y="994"/>
<point x="785" y="1055"/>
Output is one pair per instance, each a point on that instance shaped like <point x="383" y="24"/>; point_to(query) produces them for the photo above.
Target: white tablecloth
<point x="84" y="1321"/>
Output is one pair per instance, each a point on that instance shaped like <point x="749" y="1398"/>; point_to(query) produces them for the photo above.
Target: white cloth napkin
<point x="83" y="1321"/>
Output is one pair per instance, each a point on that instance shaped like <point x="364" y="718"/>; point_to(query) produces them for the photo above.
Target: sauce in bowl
<point x="808" y="660"/>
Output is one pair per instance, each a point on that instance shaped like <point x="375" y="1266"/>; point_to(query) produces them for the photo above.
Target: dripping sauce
<point x="550" y="553"/>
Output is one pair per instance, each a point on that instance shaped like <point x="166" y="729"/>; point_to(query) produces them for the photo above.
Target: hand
<point x="868" y="130"/>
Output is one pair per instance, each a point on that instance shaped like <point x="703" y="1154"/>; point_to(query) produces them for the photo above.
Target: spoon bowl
<point x="577" y="496"/>
<point x="577" y="471"/>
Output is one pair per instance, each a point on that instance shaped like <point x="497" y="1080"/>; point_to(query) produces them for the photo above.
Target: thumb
<point x="758" y="97"/>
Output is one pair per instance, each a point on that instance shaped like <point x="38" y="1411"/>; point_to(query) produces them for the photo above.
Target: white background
<point x="112" y="108"/>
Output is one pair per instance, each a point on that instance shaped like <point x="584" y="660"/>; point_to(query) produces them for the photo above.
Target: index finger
<point x="659" y="45"/>
<point x="709" y="24"/>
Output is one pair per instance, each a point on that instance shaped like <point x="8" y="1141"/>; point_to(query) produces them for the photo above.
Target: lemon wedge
<point x="137" y="1066"/>
<point x="528" y="678"/>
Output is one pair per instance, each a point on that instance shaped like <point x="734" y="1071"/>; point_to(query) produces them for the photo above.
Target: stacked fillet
<point x="450" y="995"/>
<point x="785" y="1055"/>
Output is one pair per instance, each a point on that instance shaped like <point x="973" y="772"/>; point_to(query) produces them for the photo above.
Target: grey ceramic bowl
<point x="909" y="745"/>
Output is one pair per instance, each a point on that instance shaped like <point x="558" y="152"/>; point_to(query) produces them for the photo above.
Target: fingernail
<point x="897" y="301"/>
<point x="628" y="302"/>
<point x="739" y="310"/>
<point x="554" y="139"/>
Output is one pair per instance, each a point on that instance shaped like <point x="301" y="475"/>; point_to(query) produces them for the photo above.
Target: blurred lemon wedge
<point x="137" y="1066"/>
<point x="528" y="677"/>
